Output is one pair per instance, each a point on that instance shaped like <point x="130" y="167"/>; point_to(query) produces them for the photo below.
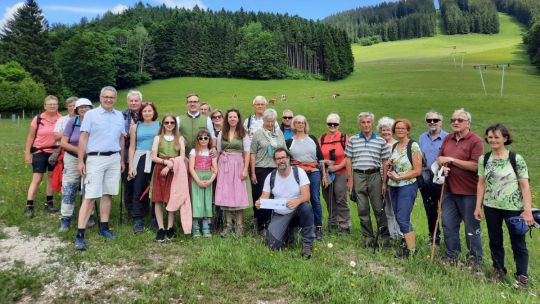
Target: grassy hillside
<point x="399" y="79"/>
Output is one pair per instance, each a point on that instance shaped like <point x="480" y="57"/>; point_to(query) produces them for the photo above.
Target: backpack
<point x="273" y="178"/>
<point x="34" y="149"/>
<point x="511" y="157"/>
<point x="76" y="123"/>
<point x="342" y="140"/>
<point x="420" y="179"/>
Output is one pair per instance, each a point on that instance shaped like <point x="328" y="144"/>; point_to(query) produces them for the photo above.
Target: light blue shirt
<point x="104" y="130"/>
<point x="430" y="147"/>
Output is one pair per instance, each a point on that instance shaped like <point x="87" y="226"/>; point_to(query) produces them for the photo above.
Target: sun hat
<point x="82" y="102"/>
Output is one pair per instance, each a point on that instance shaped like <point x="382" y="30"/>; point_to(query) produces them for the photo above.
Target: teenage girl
<point x="202" y="168"/>
<point x="167" y="144"/>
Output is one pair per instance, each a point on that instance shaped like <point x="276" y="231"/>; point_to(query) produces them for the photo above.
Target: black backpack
<point x="420" y="179"/>
<point x="273" y="178"/>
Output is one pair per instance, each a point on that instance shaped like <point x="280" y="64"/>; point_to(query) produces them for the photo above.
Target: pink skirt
<point x="231" y="191"/>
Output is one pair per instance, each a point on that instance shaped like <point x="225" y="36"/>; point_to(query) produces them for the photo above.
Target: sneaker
<point x="521" y="280"/>
<point x="318" y="233"/>
<point x="50" y="208"/>
<point x="170" y="234"/>
<point x="196" y="233"/>
<point x="29" y="211"/>
<point x="262" y="233"/>
<point x="108" y="234"/>
<point x="474" y="262"/>
<point x="206" y="233"/>
<point x="386" y="242"/>
<point x="65" y="223"/>
<point x="160" y="236"/>
<point x="80" y="244"/>
<point x="138" y="227"/>
<point x="90" y="222"/>
<point x="307" y="251"/>
<point x="405" y="253"/>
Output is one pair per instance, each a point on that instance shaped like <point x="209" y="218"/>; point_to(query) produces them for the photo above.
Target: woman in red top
<point x="333" y="146"/>
<point x="40" y="144"/>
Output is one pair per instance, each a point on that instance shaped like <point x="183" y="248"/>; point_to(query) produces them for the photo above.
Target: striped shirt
<point x="367" y="153"/>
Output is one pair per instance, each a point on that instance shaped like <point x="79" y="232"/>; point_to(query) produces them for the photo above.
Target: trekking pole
<point x="439" y="211"/>
<point x="121" y="200"/>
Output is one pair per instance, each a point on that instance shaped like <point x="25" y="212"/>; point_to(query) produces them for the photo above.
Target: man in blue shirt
<point x="101" y="143"/>
<point x="286" y="124"/>
<point x="430" y="143"/>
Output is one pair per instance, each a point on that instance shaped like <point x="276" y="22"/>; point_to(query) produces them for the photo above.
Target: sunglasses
<point x="287" y="117"/>
<point x="217" y="117"/>
<point x="432" y="120"/>
<point x="169" y="122"/>
<point x="332" y="124"/>
<point x="203" y="138"/>
<point x="459" y="120"/>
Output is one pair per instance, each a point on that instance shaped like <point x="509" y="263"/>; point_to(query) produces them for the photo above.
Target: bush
<point x="371" y="40"/>
<point x="18" y="91"/>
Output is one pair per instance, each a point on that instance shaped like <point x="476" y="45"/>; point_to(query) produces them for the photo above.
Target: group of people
<point x="210" y="165"/>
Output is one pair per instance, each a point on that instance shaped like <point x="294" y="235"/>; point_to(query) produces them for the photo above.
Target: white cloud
<point x="8" y="14"/>
<point x="120" y="8"/>
<point x="189" y="4"/>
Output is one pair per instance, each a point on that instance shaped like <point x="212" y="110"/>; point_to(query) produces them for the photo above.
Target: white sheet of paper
<point x="275" y="204"/>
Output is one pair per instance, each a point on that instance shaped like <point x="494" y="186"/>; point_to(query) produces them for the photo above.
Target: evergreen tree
<point x="25" y="40"/>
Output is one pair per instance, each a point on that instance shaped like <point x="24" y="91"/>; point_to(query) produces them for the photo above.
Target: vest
<point x="189" y="127"/>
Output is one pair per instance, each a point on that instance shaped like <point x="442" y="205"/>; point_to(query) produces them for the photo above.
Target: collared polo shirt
<point x="104" y="129"/>
<point x="367" y="153"/>
<point x="44" y="135"/>
<point x="431" y="146"/>
<point x="468" y="148"/>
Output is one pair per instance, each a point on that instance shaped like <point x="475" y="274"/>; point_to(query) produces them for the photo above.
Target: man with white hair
<point x="134" y="101"/>
<point x="459" y="155"/>
<point x="430" y="144"/>
<point x="366" y="154"/>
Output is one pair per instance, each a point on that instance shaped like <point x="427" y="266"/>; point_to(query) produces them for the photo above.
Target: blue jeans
<point x="280" y="224"/>
<point x="403" y="201"/>
<point x="315" y="192"/>
<point x="455" y="209"/>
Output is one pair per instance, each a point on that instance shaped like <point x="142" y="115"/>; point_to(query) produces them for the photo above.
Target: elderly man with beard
<point x="291" y="184"/>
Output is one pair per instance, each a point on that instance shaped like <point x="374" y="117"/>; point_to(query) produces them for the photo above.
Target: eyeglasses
<point x="287" y="117"/>
<point x="108" y="97"/>
<point x="51" y="105"/>
<point x="193" y="101"/>
<point x="432" y="120"/>
<point x="332" y="124"/>
<point x="217" y="117"/>
<point x="203" y="138"/>
<point x="458" y="120"/>
<point x="169" y="122"/>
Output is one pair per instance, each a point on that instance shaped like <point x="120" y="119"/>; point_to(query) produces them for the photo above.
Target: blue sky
<point x="69" y="12"/>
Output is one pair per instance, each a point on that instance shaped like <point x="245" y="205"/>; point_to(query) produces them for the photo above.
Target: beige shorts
<point x="102" y="176"/>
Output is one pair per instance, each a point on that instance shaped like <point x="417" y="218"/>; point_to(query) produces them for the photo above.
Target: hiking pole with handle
<point x="439" y="211"/>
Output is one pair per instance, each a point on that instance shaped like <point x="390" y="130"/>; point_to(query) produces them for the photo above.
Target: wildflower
<point x="352" y="263"/>
<point x="330" y="245"/>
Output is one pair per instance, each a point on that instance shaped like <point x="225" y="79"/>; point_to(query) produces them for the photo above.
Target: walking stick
<point x="121" y="200"/>
<point x="439" y="211"/>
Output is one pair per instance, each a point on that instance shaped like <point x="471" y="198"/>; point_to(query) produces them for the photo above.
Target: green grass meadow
<point x="397" y="79"/>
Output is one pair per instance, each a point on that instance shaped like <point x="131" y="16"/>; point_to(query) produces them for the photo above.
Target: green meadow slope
<point x="398" y="79"/>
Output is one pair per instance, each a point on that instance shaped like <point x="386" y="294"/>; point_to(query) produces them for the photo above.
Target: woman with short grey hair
<point x="265" y="141"/>
<point x="384" y="128"/>
<point x="306" y="154"/>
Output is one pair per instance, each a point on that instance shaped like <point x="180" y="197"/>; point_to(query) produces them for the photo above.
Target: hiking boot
<point x="65" y="223"/>
<point x="170" y="234"/>
<point x="405" y="253"/>
<point x="50" y="208"/>
<point x="160" y="235"/>
<point x="498" y="274"/>
<point x="154" y="225"/>
<point x="386" y="242"/>
<point x="368" y="243"/>
<point x="107" y="233"/>
<point x="80" y="244"/>
<point x="307" y="251"/>
<point x="90" y="222"/>
<point x="29" y="211"/>
<point x="449" y="260"/>
<point x="521" y="280"/>
<point x="345" y="230"/>
<point x="228" y="230"/>
<point x="262" y="232"/>
<point x="318" y="233"/>
<point x="474" y="262"/>
<point x="206" y="232"/>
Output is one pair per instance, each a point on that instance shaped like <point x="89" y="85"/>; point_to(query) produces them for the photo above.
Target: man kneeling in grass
<point x="290" y="184"/>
